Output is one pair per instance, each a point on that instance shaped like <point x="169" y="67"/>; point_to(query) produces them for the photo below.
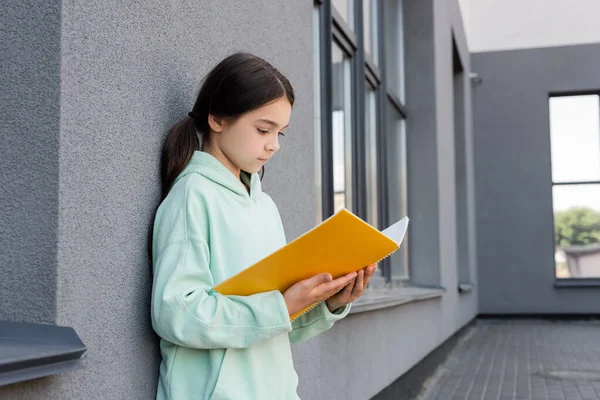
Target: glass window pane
<point x="346" y="9"/>
<point x="394" y="46"/>
<point x="371" y="159"/>
<point x="460" y="171"/>
<point x="396" y="164"/>
<point x="575" y="138"/>
<point x="371" y="156"/>
<point x="577" y="230"/>
<point x="317" y="111"/>
<point x="342" y="129"/>
<point x="370" y="29"/>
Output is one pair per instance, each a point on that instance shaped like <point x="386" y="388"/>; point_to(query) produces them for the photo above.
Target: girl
<point x="215" y="221"/>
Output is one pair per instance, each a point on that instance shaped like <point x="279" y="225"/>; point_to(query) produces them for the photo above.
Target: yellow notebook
<point x="341" y="244"/>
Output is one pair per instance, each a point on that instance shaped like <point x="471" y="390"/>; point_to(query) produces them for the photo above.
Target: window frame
<point x="349" y="156"/>
<point x="463" y="245"/>
<point x="333" y="27"/>
<point x="577" y="281"/>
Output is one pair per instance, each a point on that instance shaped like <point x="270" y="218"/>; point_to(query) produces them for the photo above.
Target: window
<point x="345" y="9"/>
<point x="341" y="119"/>
<point x="460" y="169"/>
<point x="396" y="181"/>
<point x="370" y="16"/>
<point x="575" y="153"/>
<point x="371" y="156"/>
<point x="317" y="111"/>
<point x="359" y="123"/>
<point x="394" y="47"/>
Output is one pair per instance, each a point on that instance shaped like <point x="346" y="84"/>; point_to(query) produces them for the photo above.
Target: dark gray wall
<point x="29" y="152"/>
<point x="513" y="176"/>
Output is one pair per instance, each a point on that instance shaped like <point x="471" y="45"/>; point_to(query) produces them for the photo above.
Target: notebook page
<point x="397" y="231"/>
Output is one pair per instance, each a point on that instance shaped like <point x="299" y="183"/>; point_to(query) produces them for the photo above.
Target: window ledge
<point x="382" y="298"/>
<point x="29" y="351"/>
<point x="466" y="287"/>
<point x="577" y="282"/>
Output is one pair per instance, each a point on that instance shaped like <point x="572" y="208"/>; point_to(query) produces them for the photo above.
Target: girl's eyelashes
<point x="266" y="132"/>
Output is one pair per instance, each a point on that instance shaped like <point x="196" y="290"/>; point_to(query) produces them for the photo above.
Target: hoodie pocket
<point x="223" y="388"/>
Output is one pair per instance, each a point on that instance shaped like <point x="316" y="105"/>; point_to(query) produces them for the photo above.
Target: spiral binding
<point x="308" y="309"/>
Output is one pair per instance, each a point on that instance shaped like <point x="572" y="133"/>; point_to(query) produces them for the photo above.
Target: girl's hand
<point x="353" y="290"/>
<point x="313" y="290"/>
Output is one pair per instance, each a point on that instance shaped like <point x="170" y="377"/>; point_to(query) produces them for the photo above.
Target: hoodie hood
<point x="208" y="166"/>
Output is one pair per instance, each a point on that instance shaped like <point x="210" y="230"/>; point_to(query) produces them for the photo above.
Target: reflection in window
<point x="370" y="29"/>
<point x="371" y="155"/>
<point x="342" y="129"/>
<point x="394" y="58"/>
<point x="346" y="9"/>
<point x="575" y="151"/>
<point x="317" y="111"/>
<point x="396" y="164"/>
<point x="577" y="230"/>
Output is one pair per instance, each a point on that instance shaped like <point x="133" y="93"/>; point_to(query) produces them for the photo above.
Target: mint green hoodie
<point x="213" y="346"/>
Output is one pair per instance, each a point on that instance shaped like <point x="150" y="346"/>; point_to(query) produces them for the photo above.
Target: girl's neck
<point x="219" y="155"/>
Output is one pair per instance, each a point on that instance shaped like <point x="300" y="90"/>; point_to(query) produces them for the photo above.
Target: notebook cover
<point x="341" y="244"/>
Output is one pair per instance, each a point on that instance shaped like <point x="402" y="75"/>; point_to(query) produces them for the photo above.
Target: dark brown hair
<point x="240" y="83"/>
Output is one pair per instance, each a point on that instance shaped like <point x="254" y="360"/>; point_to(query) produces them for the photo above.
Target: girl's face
<point x="248" y="142"/>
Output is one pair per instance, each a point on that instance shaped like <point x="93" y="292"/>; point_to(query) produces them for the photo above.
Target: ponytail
<point x="238" y="84"/>
<point x="177" y="152"/>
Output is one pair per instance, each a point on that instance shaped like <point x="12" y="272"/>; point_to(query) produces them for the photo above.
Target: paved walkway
<point x="521" y="359"/>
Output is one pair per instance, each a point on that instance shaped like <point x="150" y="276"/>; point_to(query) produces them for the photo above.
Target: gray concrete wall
<point x="513" y="176"/>
<point x="422" y="157"/>
<point x="494" y="25"/>
<point x="29" y="153"/>
<point x="130" y="70"/>
<point x="127" y="72"/>
<point x="457" y="309"/>
<point x="368" y="351"/>
<point x="430" y="127"/>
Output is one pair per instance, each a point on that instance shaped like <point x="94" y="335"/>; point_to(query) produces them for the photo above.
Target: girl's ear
<point x="215" y="123"/>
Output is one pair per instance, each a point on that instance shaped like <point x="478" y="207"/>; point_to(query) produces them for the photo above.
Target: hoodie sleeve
<point x="187" y="312"/>
<point x="317" y="320"/>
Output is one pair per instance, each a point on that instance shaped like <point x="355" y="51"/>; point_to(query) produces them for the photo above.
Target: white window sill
<point x="375" y="299"/>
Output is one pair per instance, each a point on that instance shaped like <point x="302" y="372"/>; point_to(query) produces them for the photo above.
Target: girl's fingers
<point x="347" y="279"/>
<point x="369" y="275"/>
<point x="348" y="289"/>
<point x="337" y="284"/>
<point x="359" y="285"/>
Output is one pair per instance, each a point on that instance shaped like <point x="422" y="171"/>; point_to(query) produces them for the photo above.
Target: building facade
<point x="426" y="108"/>
<point x="537" y="154"/>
